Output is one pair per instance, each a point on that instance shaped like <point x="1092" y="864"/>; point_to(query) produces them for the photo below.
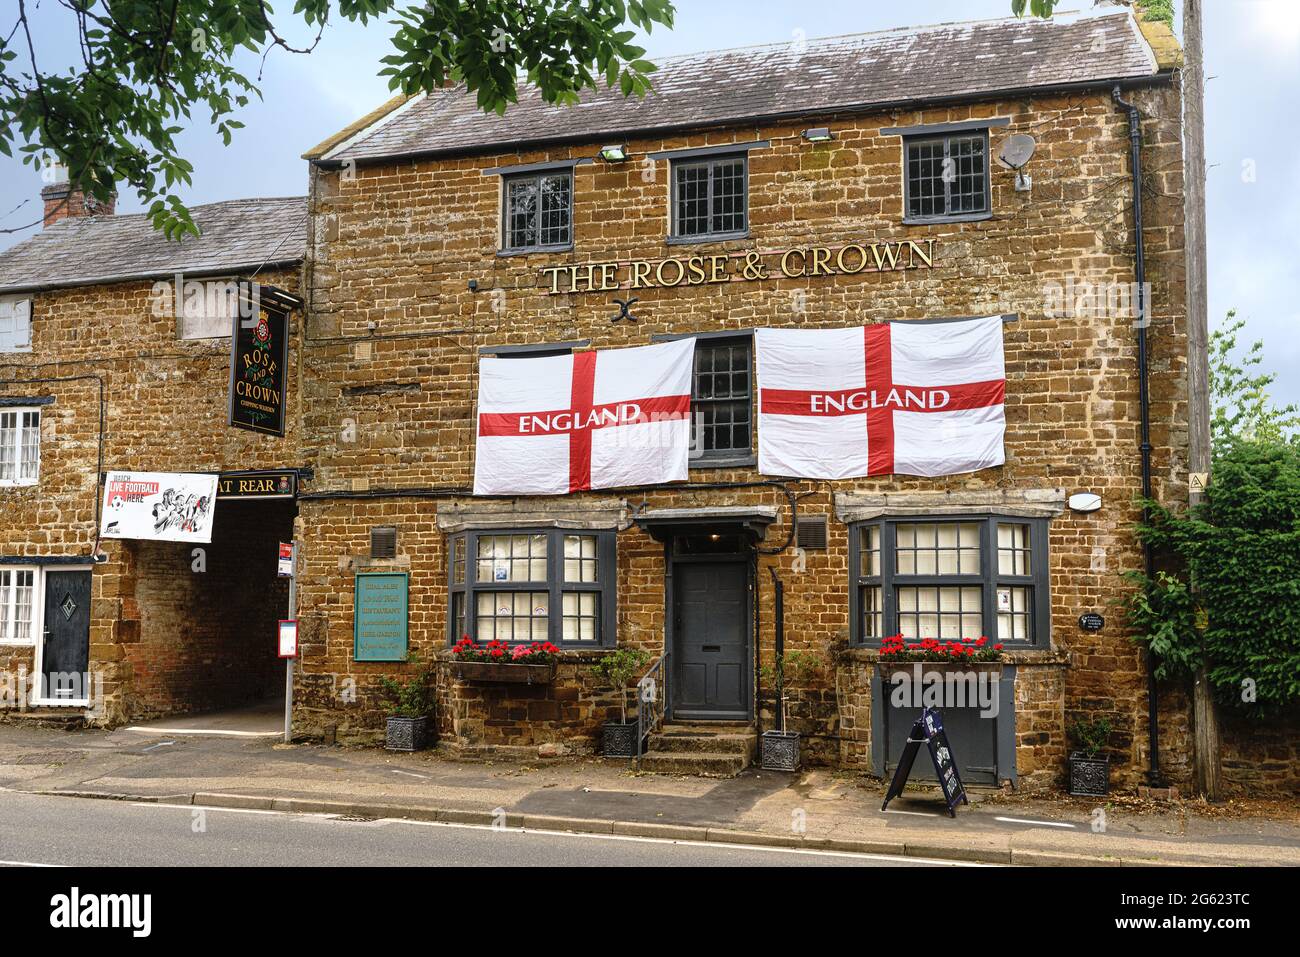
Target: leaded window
<point x="710" y="197"/>
<point x="950" y="578"/>
<point x="532" y="585"/>
<point x="721" y="404"/>
<point x="538" y="212"/>
<point x="947" y="177"/>
<point x="20" y="446"/>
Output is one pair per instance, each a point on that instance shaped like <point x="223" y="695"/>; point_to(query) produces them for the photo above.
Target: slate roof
<point x="235" y="236"/>
<point x="839" y="74"/>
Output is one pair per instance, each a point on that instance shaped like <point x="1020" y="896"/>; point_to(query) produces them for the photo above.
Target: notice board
<point x="380" y="617"/>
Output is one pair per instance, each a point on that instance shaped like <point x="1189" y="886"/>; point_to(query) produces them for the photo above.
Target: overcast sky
<point x="1253" y="146"/>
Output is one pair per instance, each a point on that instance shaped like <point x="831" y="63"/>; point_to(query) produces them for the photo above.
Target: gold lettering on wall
<point x="793" y="263"/>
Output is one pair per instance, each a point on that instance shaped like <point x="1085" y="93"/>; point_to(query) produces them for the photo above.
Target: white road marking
<point x="636" y="839"/>
<point x="1021" y="820"/>
<point x="914" y="813"/>
<point x="185" y="731"/>
<point x="410" y="774"/>
<point x="155" y="747"/>
<point x="26" y="864"/>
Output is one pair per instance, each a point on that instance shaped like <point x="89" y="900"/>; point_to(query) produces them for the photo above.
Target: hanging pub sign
<point x="380" y="617"/>
<point x="159" y="506"/>
<point x="259" y="359"/>
<point x="928" y="730"/>
<point x="277" y="483"/>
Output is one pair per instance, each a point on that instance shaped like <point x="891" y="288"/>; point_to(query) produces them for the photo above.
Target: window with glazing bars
<point x="947" y="176"/>
<point x="523" y="586"/>
<point x="721" y="409"/>
<point x="710" y="197"/>
<point x="538" y="211"/>
<point x="20" y="446"/>
<point x="951" y="579"/>
<point x="17" y="599"/>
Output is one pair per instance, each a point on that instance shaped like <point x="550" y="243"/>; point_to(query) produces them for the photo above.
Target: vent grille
<point x="810" y="532"/>
<point x="383" y="541"/>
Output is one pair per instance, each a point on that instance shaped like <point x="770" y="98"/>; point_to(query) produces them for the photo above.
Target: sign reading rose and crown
<point x="259" y="355"/>
<point x="910" y="398"/>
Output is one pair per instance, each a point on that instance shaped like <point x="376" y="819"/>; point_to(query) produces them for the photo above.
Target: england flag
<point x="906" y="398"/>
<point x="602" y="419"/>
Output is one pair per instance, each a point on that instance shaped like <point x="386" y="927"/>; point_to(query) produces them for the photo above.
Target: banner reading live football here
<point x="907" y="398"/>
<point x="601" y="419"/>
<point x="159" y="506"/>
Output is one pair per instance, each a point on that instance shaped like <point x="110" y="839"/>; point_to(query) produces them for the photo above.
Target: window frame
<point x="989" y="579"/>
<point x="8" y="596"/>
<point x="18" y="411"/>
<point x="946" y="137"/>
<point x="20" y="310"/>
<point x="535" y="176"/>
<point x="605" y="586"/>
<point x="709" y="160"/>
<point x="713" y="459"/>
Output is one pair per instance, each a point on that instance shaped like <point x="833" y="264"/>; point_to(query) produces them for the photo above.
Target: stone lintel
<point x="1018" y="503"/>
<point x="456" y="515"/>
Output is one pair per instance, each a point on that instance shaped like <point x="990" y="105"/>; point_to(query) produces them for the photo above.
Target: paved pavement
<point x="817" y="809"/>
<point x="46" y="830"/>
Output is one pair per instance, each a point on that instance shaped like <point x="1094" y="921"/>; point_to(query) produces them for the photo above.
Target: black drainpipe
<point x="1144" y="403"/>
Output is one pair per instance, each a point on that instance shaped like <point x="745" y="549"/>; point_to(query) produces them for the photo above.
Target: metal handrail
<point x="651" y="701"/>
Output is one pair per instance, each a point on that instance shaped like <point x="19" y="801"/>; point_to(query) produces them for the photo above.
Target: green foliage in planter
<point x="621" y="668"/>
<point x="1091" y="736"/>
<point x="409" y="698"/>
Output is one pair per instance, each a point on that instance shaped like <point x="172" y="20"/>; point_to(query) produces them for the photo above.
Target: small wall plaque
<point x="1092" y="622"/>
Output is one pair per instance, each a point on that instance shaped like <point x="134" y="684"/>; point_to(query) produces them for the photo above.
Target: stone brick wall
<point x="395" y="330"/>
<point x="164" y="409"/>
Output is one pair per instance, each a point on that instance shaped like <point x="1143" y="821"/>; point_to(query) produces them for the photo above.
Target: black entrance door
<point x="65" y="655"/>
<point x="711" y="640"/>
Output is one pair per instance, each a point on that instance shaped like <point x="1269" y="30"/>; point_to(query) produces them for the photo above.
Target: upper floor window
<point x="15" y="324"/>
<point x="947" y="177"/>
<point x="538" y="212"/>
<point x="710" y="197"/>
<point x="17" y="599"/>
<point x="552" y="585"/>
<point x="950" y="578"/>
<point x="20" y="446"/>
<point x="721" y="401"/>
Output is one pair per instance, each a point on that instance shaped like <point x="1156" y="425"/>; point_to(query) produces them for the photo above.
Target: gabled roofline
<point x="366" y="124"/>
<point x="860" y="109"/>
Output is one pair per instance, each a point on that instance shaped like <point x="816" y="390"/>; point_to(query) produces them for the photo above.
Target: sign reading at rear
<point x="282" y="483"/>
<point x="380" y="617"/>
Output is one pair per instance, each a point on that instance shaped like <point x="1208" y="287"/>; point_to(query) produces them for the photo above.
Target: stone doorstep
<point x="707" y="764"/>
<point x="671" y="832"/>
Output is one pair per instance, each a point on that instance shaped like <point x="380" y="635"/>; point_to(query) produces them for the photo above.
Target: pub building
<point x="896" y="352"/>
<point x="115" y="370"/>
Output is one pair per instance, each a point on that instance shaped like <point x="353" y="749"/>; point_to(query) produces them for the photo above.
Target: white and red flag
<point x="599" y="419"/>
<point x="908" y="398"/>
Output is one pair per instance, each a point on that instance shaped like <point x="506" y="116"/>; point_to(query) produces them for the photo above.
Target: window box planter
<point x="406" y="734"/>
<point x="779" y="751"/>
<point x="618" y="740"/>
<point x="494" y="672"/>
<point x="1089" y="777"/>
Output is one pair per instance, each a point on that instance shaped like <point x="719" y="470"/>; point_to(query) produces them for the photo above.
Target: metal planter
<point x="779" y="751"/>
<point x="493" y="672"/>
<point x="1089" y="777"/>
<point x="618" y="740"/>
<point x="406" y="734"/>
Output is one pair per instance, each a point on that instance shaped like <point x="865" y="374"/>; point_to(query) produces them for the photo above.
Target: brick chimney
<point x="63" y="200"/>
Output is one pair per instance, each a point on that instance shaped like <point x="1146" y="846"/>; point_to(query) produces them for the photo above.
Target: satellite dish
<point x="1016" y="151"/>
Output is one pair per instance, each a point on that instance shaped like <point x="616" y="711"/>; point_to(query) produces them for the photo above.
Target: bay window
<point x="525" y="585"/>
<point x="950" y="578"/>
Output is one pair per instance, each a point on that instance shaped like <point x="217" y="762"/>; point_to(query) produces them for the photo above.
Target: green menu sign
<point x="379" y="617"/>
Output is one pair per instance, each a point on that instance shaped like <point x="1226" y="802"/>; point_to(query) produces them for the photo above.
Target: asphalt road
<point x="45" y="830"/>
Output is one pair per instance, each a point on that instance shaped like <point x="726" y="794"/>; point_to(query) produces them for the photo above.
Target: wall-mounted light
<point x="613" y="154"/>
<point x="1084" y="502"/>
<point x="820" y="134"/>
